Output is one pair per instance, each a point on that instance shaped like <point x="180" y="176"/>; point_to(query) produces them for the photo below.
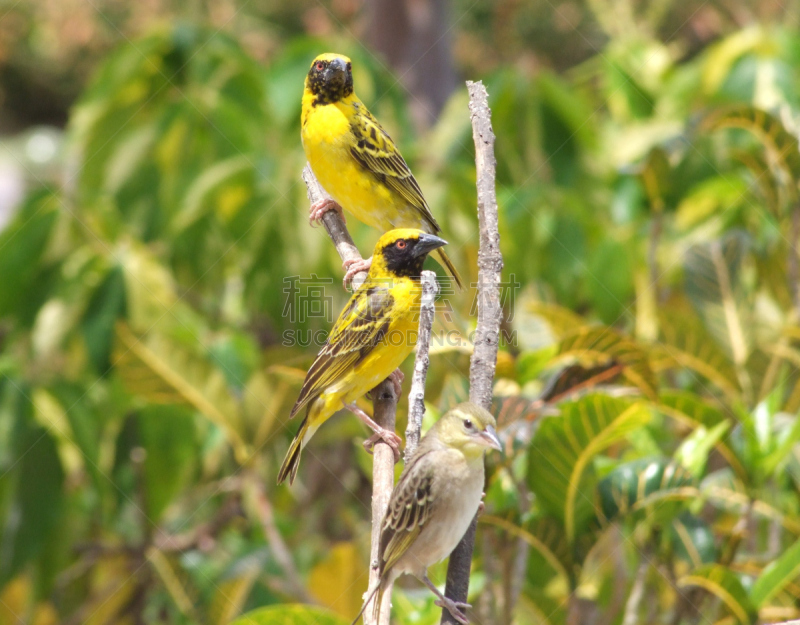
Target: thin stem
<point x="487" y="333"/>
<point x="416" y="396"/>
<point x="384" y="413"/>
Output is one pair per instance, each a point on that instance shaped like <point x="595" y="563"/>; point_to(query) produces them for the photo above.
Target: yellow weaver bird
<point x="372" y="337"/>
<point x="434" y="501"/>
<point x="356" y="161"/>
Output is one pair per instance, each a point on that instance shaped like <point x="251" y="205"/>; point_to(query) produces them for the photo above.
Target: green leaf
<point x="609" y="291"/>
<point x="780" y="145"/>
<point x="776" y="575"/>
<point x="37" y="501"/>
<point x="546" y="536"/>
<point x="168" y="437"/>
<point x="105" y="307"/>
<point x="84" y="425"/>
<point x="763" y="177"/>
<point x="634" y="485"/>
<point x="205" y="185"/>
<point x="560" y="470"/>
<point x="695" y="448"/>
<point x="592" y="346"/>
<point x="688" y="409"/>
<point x="708" y="198"/>
<point x="22" y="246"/>
<point x="290" y="614"/>
<point x="561" y="320"/>
<point x="576" y="379"/>
<point x="163" y="372"/>
<point x="723" y="55"/>
<point x="723" y="584"/>
<point x="685" y="343"/>
<point x="713" y="284"/>
<point x="693" y="540"/>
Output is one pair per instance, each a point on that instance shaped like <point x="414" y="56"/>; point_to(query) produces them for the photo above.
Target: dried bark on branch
<point x="487" y="333"/>
<point x="384" y="399"/>
<point x="336" y="228"/>
<point x="416" y="396"/>
<point x="384" y="403"/>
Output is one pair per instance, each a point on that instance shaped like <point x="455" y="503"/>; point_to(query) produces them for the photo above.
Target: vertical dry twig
<point x="487" y="333"/>
<point x="416" y="396"/>
<point x="385" y="409"/>
<point x="384" y="400"/>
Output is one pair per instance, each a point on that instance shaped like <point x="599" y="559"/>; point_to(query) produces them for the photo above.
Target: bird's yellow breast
<point x="393" y="349"/>
<point x="327" y="140"/>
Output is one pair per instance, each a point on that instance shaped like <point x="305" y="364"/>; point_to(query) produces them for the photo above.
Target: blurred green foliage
<point x="647" y="391"/>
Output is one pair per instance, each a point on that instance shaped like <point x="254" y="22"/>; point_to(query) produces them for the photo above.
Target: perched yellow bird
<point x="368" y="342"/>
<point x="356" y="161"/>
<point x="435" y="500"/>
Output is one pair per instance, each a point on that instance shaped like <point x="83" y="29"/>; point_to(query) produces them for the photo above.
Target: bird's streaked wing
<point x="409" y="509"/>
<point x="375" y="151"/>
<point x="361" y="326"/>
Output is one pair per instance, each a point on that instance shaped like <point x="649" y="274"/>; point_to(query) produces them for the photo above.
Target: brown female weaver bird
<point x="371" y="338"/>
<point x="356" y="161"/>
<point x="435" y="500"/>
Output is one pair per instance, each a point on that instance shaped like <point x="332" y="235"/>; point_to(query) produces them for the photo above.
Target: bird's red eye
<point x="320" y="66"/>
<point x="349" y="67"/>
<point x="401" y="245"/>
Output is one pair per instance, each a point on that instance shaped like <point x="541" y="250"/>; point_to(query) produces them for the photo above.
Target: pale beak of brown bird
<point x="489" y="438"/>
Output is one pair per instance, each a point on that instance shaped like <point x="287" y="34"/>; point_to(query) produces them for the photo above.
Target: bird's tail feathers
<point x="376" y="607"/>
<point x="292" y="459"/>
<point x="445" y="261"/>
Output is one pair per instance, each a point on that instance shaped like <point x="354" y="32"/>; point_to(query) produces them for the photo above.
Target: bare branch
<point x="334" y="225"/>
<point x="416" y="396"/>
<point x="385" y="411"/>
<point x="384" y="402"/>
<point x="487" y="333"/>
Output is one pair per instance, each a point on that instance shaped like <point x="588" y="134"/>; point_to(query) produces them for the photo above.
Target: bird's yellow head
<point x="402" y="253"/>
<point x="467" y="428"/>
<point x="330" y="78"/>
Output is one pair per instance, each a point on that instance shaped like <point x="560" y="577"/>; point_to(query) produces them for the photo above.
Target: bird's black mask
<point x="330" y="81"/>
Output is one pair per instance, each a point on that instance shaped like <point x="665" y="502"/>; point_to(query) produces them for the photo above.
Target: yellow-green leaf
<point x="723" y="584"/>
<point x="290" y="614"/>
<point x="559" y="469"/>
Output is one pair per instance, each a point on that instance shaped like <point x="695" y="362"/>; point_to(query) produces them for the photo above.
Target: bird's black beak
<point x="489" y="438"/>
<point x="427" y="243"/>
<point x="337" y="66"/>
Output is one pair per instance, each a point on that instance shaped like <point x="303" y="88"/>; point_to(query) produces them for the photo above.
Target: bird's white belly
<point x="438" y="540"/>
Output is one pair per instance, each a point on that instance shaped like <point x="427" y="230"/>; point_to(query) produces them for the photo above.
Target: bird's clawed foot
<point x="397" y="378"/>
<point x="388" y="437"/>
<point x="353" y="267"/>
<point x="318" y="209"/>
<point x="455" y="608"/>
<point x="481" y="505"/>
